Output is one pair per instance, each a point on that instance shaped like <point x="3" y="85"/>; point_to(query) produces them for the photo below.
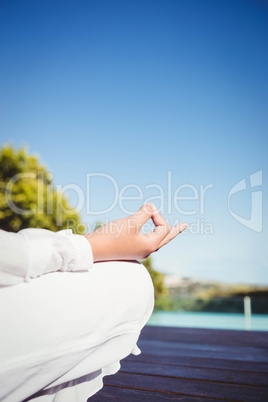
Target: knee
<point x="131" y="282"/>
<point x="140" y="276"/>
<point x="150" y="293"/>
<point x="142" y="280"/>
<point x="145" y="278"/>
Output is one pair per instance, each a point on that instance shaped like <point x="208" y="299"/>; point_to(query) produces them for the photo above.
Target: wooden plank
<point x="206" y="336"/>
<point x="245" y="352"/>
<point x="222" y="352"/>
<point x="192" y="365"/>
<point x="109" y="393"/>
<point x="230" y="337"/>
<point x="202" y="362"/>
<point x="227" y="392"/>
<point x="195" y="373"/>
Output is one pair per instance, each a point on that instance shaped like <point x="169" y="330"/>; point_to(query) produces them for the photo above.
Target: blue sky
<point x="137" y="89"/>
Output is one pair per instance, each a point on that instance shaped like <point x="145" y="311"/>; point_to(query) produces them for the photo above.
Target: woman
<point x="73" y="306"/>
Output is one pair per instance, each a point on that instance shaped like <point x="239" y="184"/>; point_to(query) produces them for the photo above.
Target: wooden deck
<point x="186" y="364"/>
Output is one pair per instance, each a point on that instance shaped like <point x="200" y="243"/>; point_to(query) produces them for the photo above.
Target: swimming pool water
<point x="259" y="322"/>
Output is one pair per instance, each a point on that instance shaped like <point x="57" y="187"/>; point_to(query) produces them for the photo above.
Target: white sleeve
<point x="34" y="252"/>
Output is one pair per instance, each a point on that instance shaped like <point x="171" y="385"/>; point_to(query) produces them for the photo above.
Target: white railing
<point x="247" y="312"/>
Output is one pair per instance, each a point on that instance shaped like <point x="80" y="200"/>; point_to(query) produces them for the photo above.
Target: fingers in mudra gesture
<point x="123" y="238"/>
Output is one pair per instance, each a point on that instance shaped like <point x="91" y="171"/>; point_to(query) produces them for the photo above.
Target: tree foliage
<point x="28" y="197"/>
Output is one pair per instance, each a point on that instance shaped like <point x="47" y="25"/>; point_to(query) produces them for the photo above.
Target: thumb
<point x="158" y="235"/>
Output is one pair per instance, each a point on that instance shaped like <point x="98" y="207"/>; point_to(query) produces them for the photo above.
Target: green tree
<point x="157" y="278"/>
<point x="28" y="197"/>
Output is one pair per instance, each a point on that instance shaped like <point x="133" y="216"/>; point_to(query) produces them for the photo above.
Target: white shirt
<point x="62" y="332"/>
<point x="33" y="252"/>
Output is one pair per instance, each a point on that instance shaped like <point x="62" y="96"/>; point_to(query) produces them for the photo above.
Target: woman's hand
<point x="123" y="240"/>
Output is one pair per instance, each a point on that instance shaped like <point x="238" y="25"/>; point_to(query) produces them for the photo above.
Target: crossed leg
<point x="62" y="332"/>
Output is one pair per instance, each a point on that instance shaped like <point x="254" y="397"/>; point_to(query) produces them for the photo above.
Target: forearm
<point x="34" y="252"/>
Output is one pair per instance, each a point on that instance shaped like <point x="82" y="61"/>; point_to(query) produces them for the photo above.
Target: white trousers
<point x="62" y="332"/>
